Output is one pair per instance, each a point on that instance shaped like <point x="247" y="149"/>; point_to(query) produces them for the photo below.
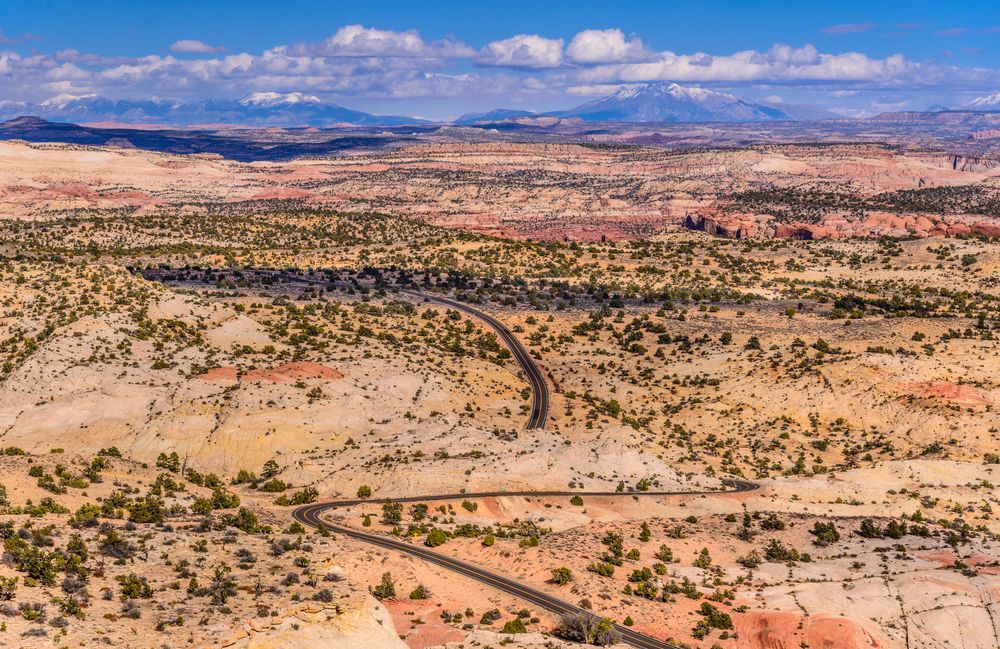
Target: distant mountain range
<point x="652" y="102"/>
<point x="256" y="109"/>
<point x="659" y="102"/>
<point x="667" y="103"/>
<point x="645" y="103"/>
<point x="674" y="103"/>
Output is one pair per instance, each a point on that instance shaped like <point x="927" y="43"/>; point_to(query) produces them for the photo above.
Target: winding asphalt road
<point x="539" y="388"/>
<point x="312" y="514"/>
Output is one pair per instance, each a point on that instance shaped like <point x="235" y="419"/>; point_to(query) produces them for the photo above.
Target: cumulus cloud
<point x="702" y="59"/>
<point x="605" y="46"/>
<point x="8" y="62"/>
<point x="782" y="63"/>
<point x="361" y="41"/>
<point x="523" y="51"/>
<point x="190" y="46"/>
<point x="68" y="72"/>
<point x="805" y="55"/>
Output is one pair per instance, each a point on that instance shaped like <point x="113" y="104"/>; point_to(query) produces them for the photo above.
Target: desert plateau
<point x="678" y="351"/>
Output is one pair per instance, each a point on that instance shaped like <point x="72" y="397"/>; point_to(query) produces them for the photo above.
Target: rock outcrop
<point x="316" y="626"/>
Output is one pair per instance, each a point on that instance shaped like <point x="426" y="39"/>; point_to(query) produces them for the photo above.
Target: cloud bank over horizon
<point x="369" y="64"/>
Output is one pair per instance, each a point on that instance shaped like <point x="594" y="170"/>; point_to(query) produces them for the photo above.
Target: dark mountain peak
<point x="496" y="115"/>
<point x="24" y="122"/>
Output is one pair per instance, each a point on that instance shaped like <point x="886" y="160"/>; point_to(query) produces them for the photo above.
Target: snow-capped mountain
<point x="255" y="109"/>
<point x="269" y="99"/>
<point x="671" y="102"/>
<point x="987" y="102"/>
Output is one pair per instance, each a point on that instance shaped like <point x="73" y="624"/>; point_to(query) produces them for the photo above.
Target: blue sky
<point x="440" y="59"/>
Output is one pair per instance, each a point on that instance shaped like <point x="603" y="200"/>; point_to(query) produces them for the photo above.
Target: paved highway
<point x="312" y="515"/>
<point x="539" y="388"/>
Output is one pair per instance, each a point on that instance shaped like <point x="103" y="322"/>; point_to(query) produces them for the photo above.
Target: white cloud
<point x="8" y="61"/>
<point x="190" y="46"/>
<point x="605" y="46"/>
<point x="780" y="64"/>
<point x="523" y="51"/>
<point x="702" y="59"/>
<point x="68" y="72"/>
<point x="805" y="55"/>
<point x="361" y="41"/>
<point x="139" y="69"/>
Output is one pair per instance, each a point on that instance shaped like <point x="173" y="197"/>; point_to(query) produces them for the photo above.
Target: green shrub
<point x="8" y="585"/>
<point x="825" y="533"/>
<point x="435" y="538"/>
<point x="222" y="499"/>
<point x="561" y="575"/>
<point x="601" y="568"/>
<point x="134" y="587"/>
<point x="273" y="486"/>
<point x="170" y="462"/>
<point x="304" y="497"/>
<point x="386" y="588"/>
<point x="514" y="626"/>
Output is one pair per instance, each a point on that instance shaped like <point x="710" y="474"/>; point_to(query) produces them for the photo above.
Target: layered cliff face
<point x="985" y="134"/>
<point x="733" y="226"/>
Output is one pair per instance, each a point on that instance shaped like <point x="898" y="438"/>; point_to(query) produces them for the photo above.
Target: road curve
<point x="312" y="515"/>
<point x="539" y="388"/>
